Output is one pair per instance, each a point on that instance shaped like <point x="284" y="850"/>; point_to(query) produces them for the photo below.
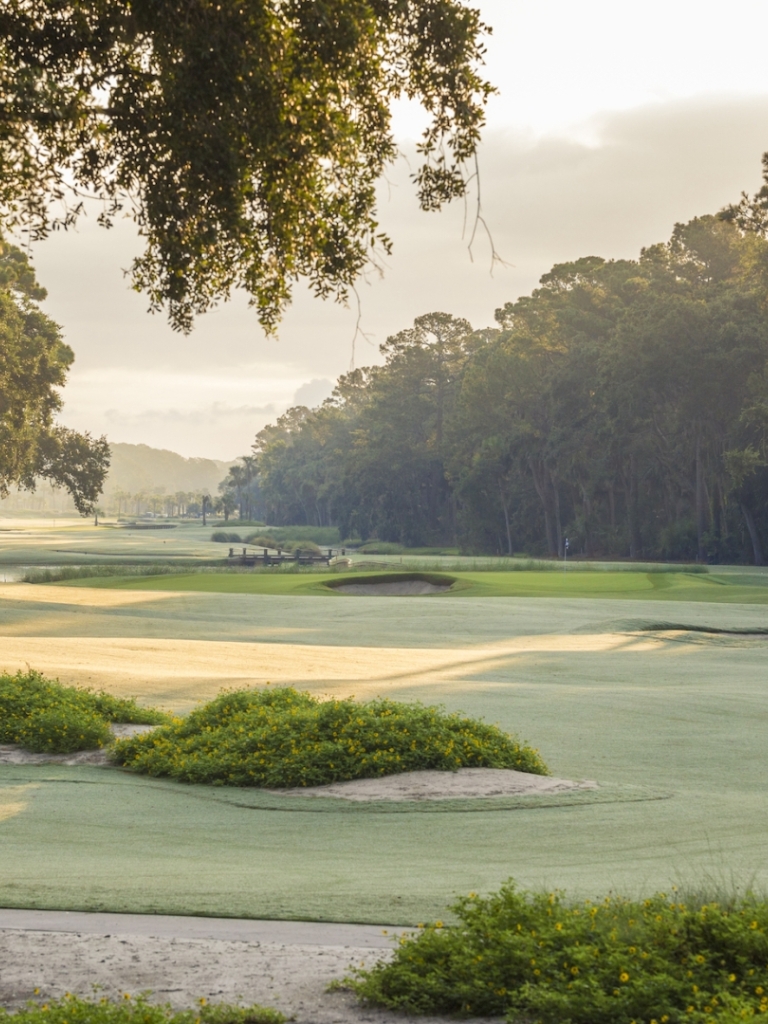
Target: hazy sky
<point x="613" y="121"/>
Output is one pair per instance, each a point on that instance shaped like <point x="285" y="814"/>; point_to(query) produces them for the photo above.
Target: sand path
<point x="284" y="964"/>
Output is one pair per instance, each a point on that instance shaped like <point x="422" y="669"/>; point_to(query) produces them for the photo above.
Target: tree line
<point x="623" y="405"/>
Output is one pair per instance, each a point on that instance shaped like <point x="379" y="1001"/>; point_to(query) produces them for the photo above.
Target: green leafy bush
<point x="380" y="547"/>
<point x="260" y="540"/>
<point x="84" y="572"/>
<point x="534" y="957"/>
<point x="46" y="717"/>
<point x="279" y="737"/>
<point x="225" y="537"/>
<point x="325" y="536"/>
<point x="73" y="1010"/>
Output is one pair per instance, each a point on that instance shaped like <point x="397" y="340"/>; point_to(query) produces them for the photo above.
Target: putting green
<point x="741" y="588"/>
<point x="675" y="722"/>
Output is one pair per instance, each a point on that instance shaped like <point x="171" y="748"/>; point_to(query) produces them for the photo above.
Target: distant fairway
<point x="674" y="722"/>
<point x="733" y="587"/>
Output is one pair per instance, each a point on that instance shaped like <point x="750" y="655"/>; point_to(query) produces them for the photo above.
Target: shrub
<point x="380" y="547"/>
<point x="46" y="717"/>
<point x="325" y="536"/>
<point x="225" y="537"/>
<point x="84" y="572"/>
<point x="535" y="957"/>
<point x="73" y="1010"/>
<point x="280" y="737"/>
<point x="260" y="540"/>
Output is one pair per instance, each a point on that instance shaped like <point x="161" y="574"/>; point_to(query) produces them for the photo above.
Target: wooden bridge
<point x="297" y="557"/>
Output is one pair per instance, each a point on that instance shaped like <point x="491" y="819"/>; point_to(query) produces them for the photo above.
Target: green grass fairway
<point x="725" y="587"/>
<point x="676" y="725"/>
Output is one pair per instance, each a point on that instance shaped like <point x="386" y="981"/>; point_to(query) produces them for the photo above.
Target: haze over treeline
<point x="623" y="405"/>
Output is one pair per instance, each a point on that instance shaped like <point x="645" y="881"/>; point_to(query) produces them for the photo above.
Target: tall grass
<point x="84" y="572"/>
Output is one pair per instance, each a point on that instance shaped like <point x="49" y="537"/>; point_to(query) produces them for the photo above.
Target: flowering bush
<point x="280" y="737"/>
<point x="535" y="957"/>
<point x="72" y="1010"/>
<point x="46" y="717"/>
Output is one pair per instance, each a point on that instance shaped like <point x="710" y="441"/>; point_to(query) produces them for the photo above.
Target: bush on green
<point x="73" y="1010"/>
<point x="45" y="717"/>
<point x="534" y="957"/>
<point x="279" y="737"/>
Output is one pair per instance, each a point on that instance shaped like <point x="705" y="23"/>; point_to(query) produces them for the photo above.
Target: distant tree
<point x="246" y="136"/>
<point x="33" y="364"/>
<point x="240" y="489"/>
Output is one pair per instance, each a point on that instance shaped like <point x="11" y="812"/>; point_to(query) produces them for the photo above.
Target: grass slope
<point x="686" y="720"/>
<point x="622" y="585"/>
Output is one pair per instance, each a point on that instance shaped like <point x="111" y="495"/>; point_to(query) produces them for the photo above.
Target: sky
<point x="612" y="123"/>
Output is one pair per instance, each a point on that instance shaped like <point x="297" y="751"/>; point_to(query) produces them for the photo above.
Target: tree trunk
<point x="506" y="519"/>
<point x="558" y="521"/>
<point x="757" y="548"/>
<point x="542" y="484"/>
<point x="632" y="523"/>
<point x="701" y="519"/>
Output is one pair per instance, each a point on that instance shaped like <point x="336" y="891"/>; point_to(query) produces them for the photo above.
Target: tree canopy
<point x="245" y="136"/>
<point x="33" y="365"/>
<point x="623" y="404"/>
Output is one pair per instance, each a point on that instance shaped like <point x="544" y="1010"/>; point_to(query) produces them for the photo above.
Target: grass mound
<point x="534" y="957"/>
<point x="73" y="1010"/>
<point x="278" y="737"/>
<point x="46" y="717"/>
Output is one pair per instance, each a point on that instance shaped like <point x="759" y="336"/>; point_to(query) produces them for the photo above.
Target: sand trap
<point x="435" y="785"/>
<point x="399" y="588"/>
<point x="424" y="785"/>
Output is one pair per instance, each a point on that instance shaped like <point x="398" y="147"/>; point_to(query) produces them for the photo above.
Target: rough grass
<point x="536" y="957"/>
<point x="46" y="717"/>
<point x="279" y="737"/>
<point x="73" y="1010"/>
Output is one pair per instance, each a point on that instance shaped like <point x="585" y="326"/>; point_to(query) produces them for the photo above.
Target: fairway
<point x="673" y="722"/>
<point x="735" y="587"/>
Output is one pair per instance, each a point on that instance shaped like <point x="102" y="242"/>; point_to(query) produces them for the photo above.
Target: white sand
<point x="435" y="785"/>
<point x="423" y="785"/>
<point x="292" y="978"/>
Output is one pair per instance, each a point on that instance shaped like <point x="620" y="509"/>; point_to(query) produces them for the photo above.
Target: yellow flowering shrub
<point x="535" y="957"/>
<point x="277" y="737"/>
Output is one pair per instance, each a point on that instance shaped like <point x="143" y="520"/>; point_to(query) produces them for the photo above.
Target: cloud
<point x="616" y="183"/>
<point x="313" y="393"/>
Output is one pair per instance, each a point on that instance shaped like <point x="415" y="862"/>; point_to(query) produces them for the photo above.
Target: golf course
<point x="651" y="682"/>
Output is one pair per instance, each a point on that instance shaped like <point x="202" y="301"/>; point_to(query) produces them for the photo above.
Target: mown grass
<point x="74" y="1010"/>
<point x="279" y="737"/>
<point x="535" y="957"/>
<point x="618" y="585"/>
<point x="45" y="717"/>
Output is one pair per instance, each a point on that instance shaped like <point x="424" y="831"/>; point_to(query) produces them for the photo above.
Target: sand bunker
<point x="435" y="785"/>
<point x="401" y="584"/>
<point x="425" y="785"/>
<point x="398" y="588"/>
